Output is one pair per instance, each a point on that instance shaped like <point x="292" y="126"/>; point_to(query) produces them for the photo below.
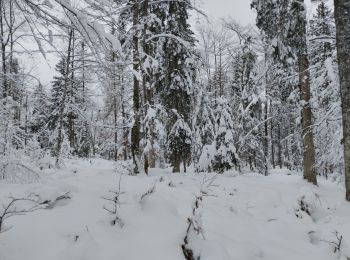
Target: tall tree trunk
<point x="145" y="83"/>
<point x="115" y="105"/>
<point x="266" y="139"/>
<point x="3" y="50"/>
<point x="11" y="70"/>
<point x="273" y="160"/>
<point x="176" y="165"/>
<point x="279" y="144"/>
<point x="26" y="122"/>
<point x="63" y="101"/>
<point x="135" y="131"/>
<point x="125" y="130"/>
<point x="301" y="48"/>
<point x="342" y="19"/>
<point x="308" y="137"/>
<point x="115" y="112"/>
<point x="71" y="114"/>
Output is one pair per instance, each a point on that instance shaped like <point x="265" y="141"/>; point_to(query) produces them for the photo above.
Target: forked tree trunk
<point x="342" y="19"/>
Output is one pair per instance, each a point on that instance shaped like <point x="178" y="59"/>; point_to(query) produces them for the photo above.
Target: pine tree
<point x="203" y="126"/>
<point x="179" y="144"/>
<point x="224" y="156"/>
<point x="289" y="43"/>
<point x="176" y="85"/>
<point x="325" y="90"/>
<point x="56" y="95"/>
<point x="246" y="105"/>
<point x="152" y="27"/>
<point x="69" y="100"/>
<point x="299" y="44"/>
<point x="146" y="19"/>
<point x="39" y="117"/>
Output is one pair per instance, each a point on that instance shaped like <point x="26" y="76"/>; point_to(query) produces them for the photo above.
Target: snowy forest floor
<point x="243" y="217"/>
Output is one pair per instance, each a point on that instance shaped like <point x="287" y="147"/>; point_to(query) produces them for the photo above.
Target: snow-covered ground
<point x="242" y="217"/>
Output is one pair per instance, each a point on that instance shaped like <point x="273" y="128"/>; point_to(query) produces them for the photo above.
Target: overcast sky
<point x="238" y="9"/>
<point x="215" y="9"/>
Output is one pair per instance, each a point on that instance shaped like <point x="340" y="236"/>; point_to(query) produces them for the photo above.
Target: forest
<point x="147" y="129"/>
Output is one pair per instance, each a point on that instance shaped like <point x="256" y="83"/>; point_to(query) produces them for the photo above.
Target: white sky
<point x="240" y="9"/>
<point x="237" y="9"/>
<point x="215" y="9"/>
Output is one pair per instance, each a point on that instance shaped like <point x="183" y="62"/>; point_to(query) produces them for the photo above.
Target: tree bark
<point x="307" y="133"/>
<point x="71" y="114"/>
<point x="342" y="19"/>
<point x="266" y="140"/>
<point x="3" y="51"/>
<point x="272" y="144"/>
<point x="135" y="131"/>
<point x="279" y="145"/>
<point x="176" y="165"/>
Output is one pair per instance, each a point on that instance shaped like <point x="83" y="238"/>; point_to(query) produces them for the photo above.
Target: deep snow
<point x="243" y="217"/>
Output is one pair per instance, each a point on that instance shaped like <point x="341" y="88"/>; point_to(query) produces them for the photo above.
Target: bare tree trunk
<point x="93" y="135"/>
<point x="125" y="131"/>
<point x="273" y="160"/>
<point x="308" y="137"/>
<point x="115" y="112"/>
<point x="135" y="131"/>
<point x="221" y="84"/>
<point x="145" y="85"/>
<point x="71" y="115"/>
<point x="266" y="140"/>
<point x="115" y="106"/>
<point x="176" y="165"/>
<point x="3" y="50"/>
<point x="26" y="122"/>
<point x="342" y="19"/>
<point x="279" y="145"/>
<point x="11" y="69"/>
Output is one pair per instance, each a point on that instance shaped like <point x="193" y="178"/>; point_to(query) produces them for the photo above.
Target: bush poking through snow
<point x="149" y="192"/>
<point x="309" y="203"/>
<point x="195" y="226"/>
<point x="115" y="204"/>
<point x="338" y="246"/>
<point x="21" y="206"/>
<point x="304" y="207"/>
<point x="50" y="204"/>
<point x="171" y="184"/>
<point x="13" y="208"/>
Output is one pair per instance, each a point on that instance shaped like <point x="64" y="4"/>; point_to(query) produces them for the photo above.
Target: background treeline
<point x="226" y="97"/>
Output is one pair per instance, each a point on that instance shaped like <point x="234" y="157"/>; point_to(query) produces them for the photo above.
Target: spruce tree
<point x="287" y="36"/>
<point x="224" y="156"/>
<point x="57" y="87"/>
<point x="39" y="118"/>
<point x="325" y="90"/>
<point x="203" y="125"/>
<point x="176" y="86"/>
<point x="246" y="105"/>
